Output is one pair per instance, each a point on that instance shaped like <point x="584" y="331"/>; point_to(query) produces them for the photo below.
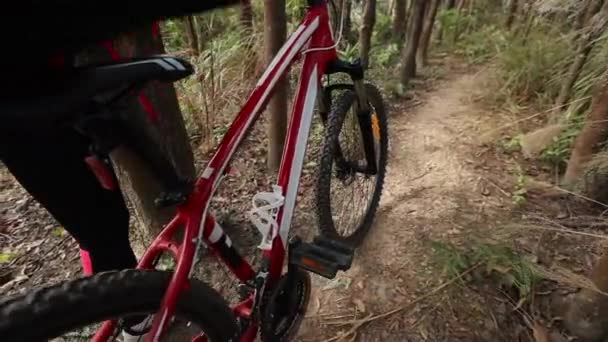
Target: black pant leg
<point x="51" y="167"/>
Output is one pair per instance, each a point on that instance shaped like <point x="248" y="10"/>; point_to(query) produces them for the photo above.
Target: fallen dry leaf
<point x="541" y="334"/>
<point x="359" y="303"/>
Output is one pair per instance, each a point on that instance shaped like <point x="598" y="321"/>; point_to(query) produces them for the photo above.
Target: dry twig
<point x="358" y="323"/>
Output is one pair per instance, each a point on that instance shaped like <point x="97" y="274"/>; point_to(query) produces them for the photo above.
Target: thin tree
<point x="408" y="55"/>
<point x="593" y="134"/>
<point x="594" y="24"/>
<point x="399" y="20"/>
<point x="246" y="19"/>
<point x="367" y="29"/>
<point x="192" y="34"/>
<point x="511" y="15"/>
<point x="348" y="22"/>
<point x="275" y="30"/>
<point x="427" y="31"/>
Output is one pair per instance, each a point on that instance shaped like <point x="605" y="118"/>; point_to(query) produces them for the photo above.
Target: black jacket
<point x="35" y="31"/>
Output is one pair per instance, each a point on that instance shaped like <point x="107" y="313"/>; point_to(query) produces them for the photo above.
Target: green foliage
<point x="349" y="52"/>
<point x="558" y="152"/>
<point x="504" y="264"/>
<point x="173" y="35"/>
<point x="511" y="145"/>
<point x="166" y="262"/>
<point x="480" y="45"/>
<point x="452" y="260"/>
<point x="383" y="28"/>
<point x="527" y="68"/>
<point x="451" y="21"/>
<point x="385" y="56"/>
<point x="510" y="267"/>
<point x="6" y="257"/>
<point x="519" y="196"/>
<point x="59" y="232"/>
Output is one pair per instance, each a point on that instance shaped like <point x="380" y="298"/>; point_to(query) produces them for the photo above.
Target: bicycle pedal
<point x="323" y="256"/>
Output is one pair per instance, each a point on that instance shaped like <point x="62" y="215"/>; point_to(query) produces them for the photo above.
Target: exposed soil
<point x="434" y="190"/>
<point x="447" y="181"/>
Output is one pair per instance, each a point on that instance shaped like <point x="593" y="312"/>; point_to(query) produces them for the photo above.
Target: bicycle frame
<point x="312" y="40"/>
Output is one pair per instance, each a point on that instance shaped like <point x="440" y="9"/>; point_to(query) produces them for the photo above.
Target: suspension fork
<point x="364" y="111"/>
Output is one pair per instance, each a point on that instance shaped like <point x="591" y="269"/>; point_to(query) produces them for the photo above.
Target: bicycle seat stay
<point x="77" y="88"/>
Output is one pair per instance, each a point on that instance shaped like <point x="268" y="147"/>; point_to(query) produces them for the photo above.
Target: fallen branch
<point x="504" y="192"/>
<point x="358" y="323"/>
<point x="560" y="230"/>
<point x="511" y="124"/>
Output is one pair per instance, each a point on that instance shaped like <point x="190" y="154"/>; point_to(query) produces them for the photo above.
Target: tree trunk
<point x="367" y="29"/>
<point x="274" y="36"/>
<point x="348" y="23"/>
<point x="408" y="56"/>
<point x="167" y="133"/>
<point x="427" y="31"/>
<point x="591" y="136"/>
<point x="461" y="5"/>
<point x="192" y="35"/>
<point x="246" y="19"/>
<point x="594" y="26"/>
<point x="391" y="8"/>
<point x="399" y="20"/>
<point x="511" y="14"/>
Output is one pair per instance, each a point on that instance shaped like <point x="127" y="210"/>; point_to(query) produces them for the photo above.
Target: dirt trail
<point x="431" y="191"/>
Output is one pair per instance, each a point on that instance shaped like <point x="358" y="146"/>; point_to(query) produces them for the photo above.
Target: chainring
<point x="286" y="306"/>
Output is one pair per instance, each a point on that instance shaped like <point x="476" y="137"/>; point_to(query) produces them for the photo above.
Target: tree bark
<point x="167" y="134"/>
<point x="399" y="20"/>
<point x="348" y="23"/>
<point x="246" y="16"/>
<point x="511" y="14"/>
<point x="593" y="27"/>
<point x="427" y="31"/>
<point x="192" y="35"/>
<point x="367" y="29"/>
<point x="591" y="136"/>
<point x="274" y="36"/>
<point x="408" y="56"/>
<point x="246" y="19"/>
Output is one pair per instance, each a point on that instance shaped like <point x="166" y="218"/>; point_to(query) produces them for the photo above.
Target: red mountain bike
<point x="274" y="297"/>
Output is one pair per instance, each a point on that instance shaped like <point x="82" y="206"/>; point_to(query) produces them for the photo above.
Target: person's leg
<point x="51" y="167"/>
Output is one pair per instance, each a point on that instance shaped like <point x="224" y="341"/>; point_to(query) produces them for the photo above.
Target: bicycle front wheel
<point x="347" y="195"/>
<point x="51" y="312"/>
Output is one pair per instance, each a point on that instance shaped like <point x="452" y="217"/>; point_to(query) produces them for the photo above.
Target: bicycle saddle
<point x="73" y="91"/>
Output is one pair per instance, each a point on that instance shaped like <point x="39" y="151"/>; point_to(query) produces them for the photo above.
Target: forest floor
<point x="449" y="183"/>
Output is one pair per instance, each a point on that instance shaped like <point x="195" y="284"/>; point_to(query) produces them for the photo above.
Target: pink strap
<point x="85" y="259"/>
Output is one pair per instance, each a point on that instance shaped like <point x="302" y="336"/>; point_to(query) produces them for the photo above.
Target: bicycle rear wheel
<point x="50" y="312"/>
<point x="341" y="184"/>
